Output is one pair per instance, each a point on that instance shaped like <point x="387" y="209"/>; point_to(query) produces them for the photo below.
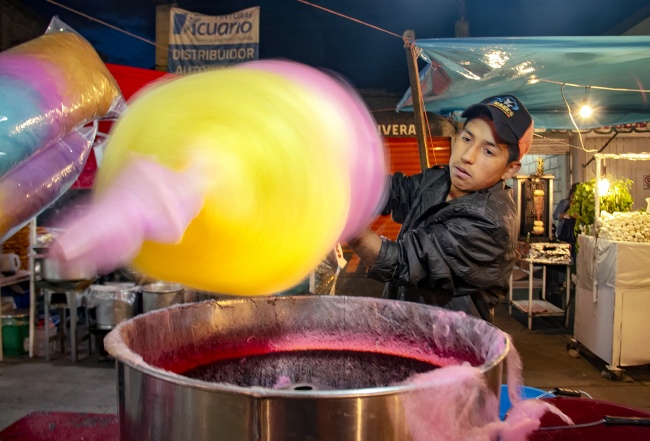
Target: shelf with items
<point x="20" y="276"/>
<point x="542" y="255"/>
<point x="533" y="195"/>
<point x="24" y="275"/>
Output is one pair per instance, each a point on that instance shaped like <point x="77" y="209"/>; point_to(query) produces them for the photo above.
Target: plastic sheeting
<point x="50" y="88"/>
<point x="622" y="265"/>
<point x="27" y="190"/>
<point x="268" y="344"/>
<point x="463" y="71"/>
<point x="612" y="300"/>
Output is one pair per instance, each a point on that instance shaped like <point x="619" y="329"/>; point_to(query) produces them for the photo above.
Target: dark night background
<point x="367" y="57"/>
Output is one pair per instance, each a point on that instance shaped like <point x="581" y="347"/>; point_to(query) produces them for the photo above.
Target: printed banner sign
<point x="200" y="42"/>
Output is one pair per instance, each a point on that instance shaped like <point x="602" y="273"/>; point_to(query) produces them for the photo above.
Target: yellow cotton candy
<point x="280" y="192"/>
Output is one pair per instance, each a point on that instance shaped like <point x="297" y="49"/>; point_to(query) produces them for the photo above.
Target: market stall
<point x="35" y="186"/>
<point x="198" y="363"/>
<point x="49" y="110"/>
<point x="533" y="195"/>
<point x="613" y="284"/>
<point x="612" y="300"/>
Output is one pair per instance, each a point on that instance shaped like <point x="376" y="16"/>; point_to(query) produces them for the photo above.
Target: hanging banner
<point x="200" y="42"/>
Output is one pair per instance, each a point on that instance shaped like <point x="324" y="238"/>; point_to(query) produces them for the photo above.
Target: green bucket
<point x="15" y="329"/>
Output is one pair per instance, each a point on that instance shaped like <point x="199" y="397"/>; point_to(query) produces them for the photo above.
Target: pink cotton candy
<point x="364" y="151"/>
<point x="514" y="374"/>
<point x="525" y="417"/>
<point x="283" y="381"/>
<point x="40" y="75"/>
<point x="147" y="201"/>
<point x="452" y="403"/>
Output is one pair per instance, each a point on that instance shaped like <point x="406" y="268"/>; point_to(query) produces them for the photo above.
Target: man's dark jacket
<point x="457" y="254"/>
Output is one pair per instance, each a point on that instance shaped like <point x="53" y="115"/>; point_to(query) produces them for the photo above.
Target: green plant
<point x="617" y="198"/>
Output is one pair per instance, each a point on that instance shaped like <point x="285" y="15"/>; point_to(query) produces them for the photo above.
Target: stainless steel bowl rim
<point x="52" y="270"/>
<point x="162" y="288"/>
<point x="112" y="288"/>
<point x="262" y="392"/>
<point x="119" y="284"/>
<point x="41" y="251"/>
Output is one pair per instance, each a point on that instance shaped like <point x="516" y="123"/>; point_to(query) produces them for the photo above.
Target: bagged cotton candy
<point x="50" y="86"/>
<point x="32" y="186"/>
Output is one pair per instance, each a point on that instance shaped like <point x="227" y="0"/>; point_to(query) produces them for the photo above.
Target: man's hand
<point x="366" y="245"/>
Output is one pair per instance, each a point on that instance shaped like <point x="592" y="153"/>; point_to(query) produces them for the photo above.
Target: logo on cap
<point x="508" y="105"/>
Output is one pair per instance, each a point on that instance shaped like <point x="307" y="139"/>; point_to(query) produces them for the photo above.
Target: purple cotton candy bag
<point x="31" y="187"/>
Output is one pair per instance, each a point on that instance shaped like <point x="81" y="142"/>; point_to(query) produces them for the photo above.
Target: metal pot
<point x="192" y="296"/>
<point x="134" y="276"/>
<point x="161" y="295"/>
<point x="113" y="304"/>
<point x="195" y="295"/>
<point x="52" y="270"/>
<point x="159" y="354"/>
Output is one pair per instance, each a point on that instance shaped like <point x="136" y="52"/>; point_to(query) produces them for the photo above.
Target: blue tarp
<point x="463" y="71"/>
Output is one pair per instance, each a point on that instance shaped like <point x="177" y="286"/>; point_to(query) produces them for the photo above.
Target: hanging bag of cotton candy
<point x="50" y="86"/>
<point x="33" y="185"/>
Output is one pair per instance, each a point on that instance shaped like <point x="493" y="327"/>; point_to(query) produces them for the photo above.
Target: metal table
<point x="541" y="308"/>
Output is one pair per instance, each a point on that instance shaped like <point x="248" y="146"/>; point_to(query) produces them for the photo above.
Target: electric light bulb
<point x="603" y="187"/>
<point x="586" y="111"/>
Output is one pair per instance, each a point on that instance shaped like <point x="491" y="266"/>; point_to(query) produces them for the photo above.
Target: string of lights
<point x="573" y="121"/>
<point x="603" y="185"/>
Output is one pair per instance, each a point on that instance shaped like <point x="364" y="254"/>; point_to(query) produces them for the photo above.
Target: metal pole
<point x="32" y="288"/>
<point x="596" y="190"/>
<point x="416" y="95"/>
<point x="601" y="149"/>
<point x="592" y="232"/>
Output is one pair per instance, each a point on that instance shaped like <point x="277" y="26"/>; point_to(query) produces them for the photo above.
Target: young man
<point x="459" y="222"/>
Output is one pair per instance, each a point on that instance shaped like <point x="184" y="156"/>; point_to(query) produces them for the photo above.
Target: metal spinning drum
<point x="288" y="368"/>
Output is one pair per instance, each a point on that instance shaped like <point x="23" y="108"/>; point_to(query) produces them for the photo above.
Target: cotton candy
<point x="50" y="86"/>
<point x="291" y="163"/>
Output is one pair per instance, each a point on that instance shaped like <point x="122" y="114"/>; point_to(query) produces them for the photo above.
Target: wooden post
<point x="421" y="131"/>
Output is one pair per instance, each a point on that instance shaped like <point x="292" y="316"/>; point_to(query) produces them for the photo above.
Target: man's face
<point x="479" y="159"/>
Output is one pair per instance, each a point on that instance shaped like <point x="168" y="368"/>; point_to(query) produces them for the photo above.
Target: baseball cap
<point x="513" y="123"/>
